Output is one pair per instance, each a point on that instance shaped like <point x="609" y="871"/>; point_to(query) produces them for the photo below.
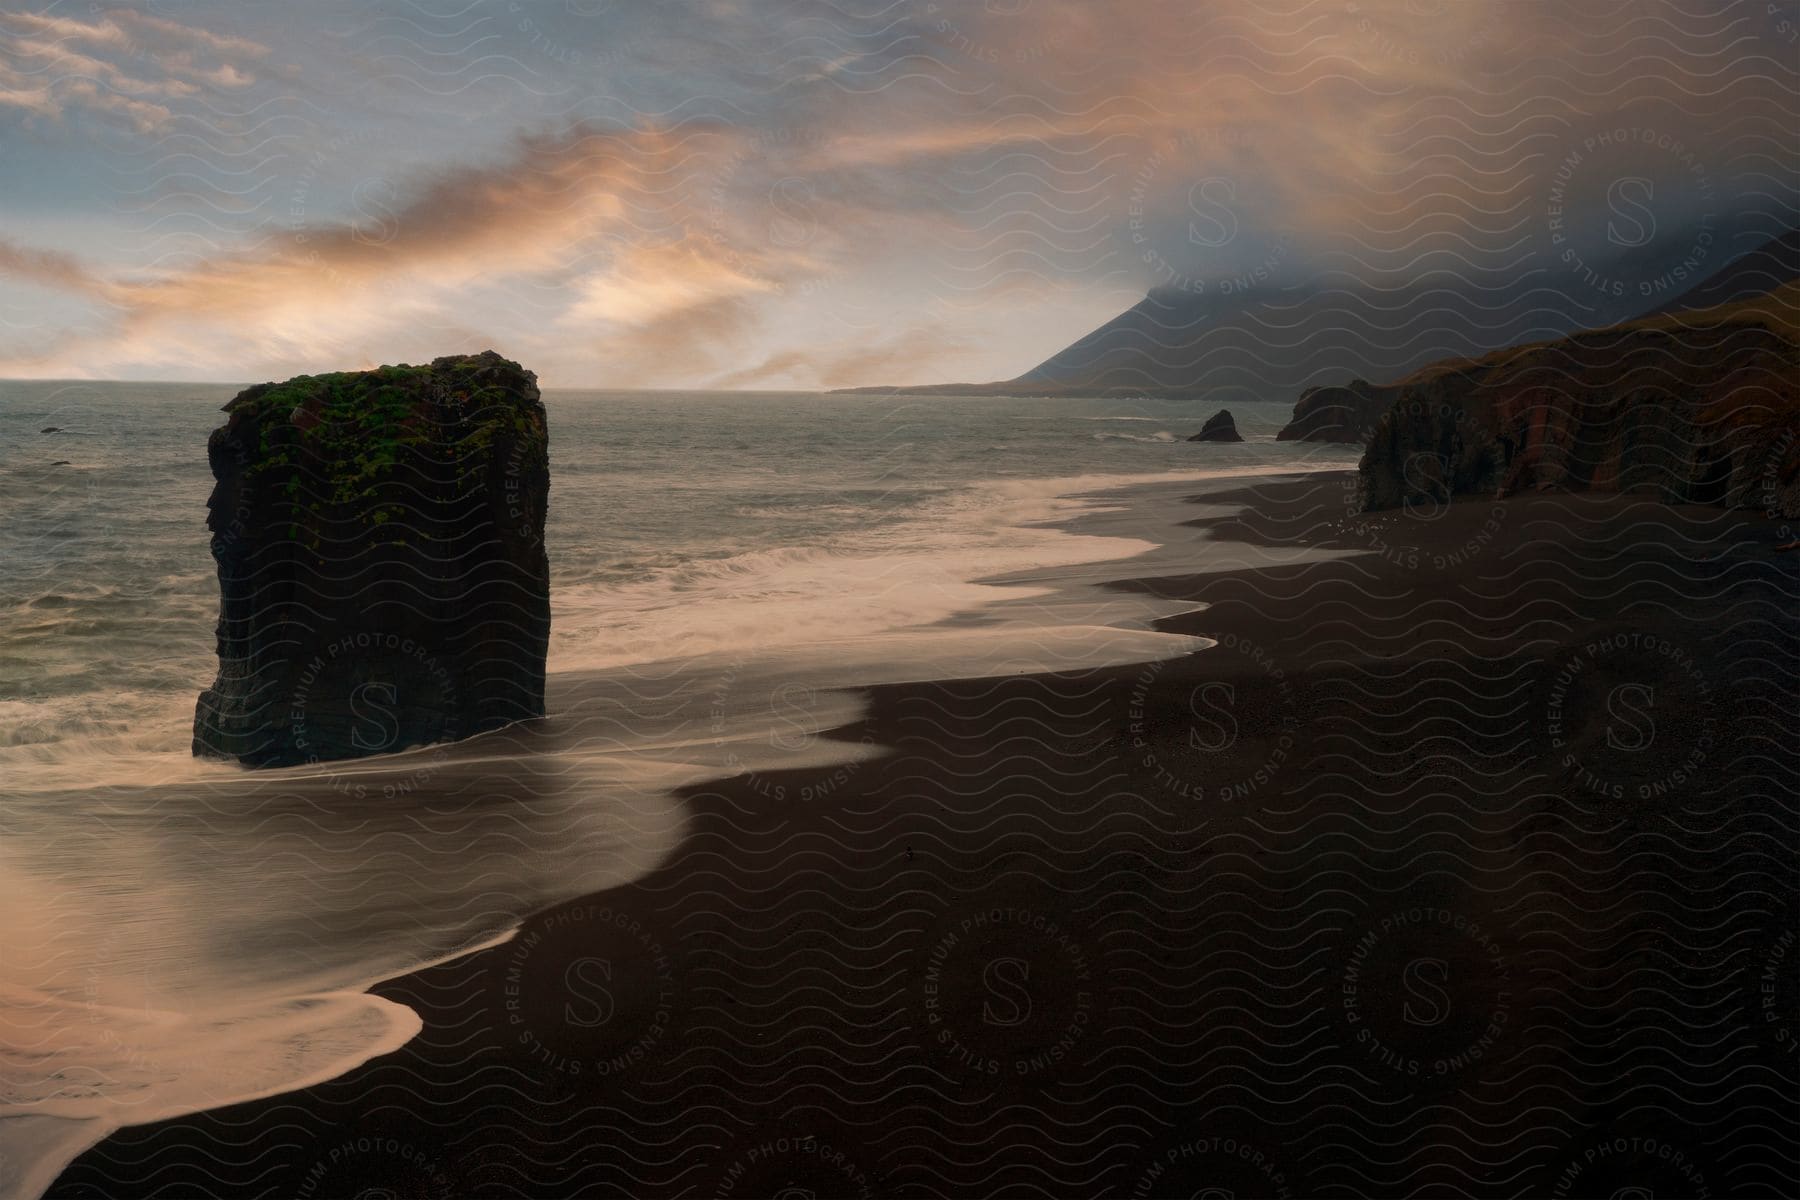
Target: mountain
<point x="1764" y="269"/>
<point x="1278" y="341"/>
<point x="1269" y="345"/>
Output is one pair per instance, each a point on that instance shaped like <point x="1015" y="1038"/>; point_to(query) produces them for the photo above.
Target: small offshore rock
<point x="1218" y="428"/>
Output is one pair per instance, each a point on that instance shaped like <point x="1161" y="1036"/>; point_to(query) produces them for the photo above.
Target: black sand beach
<point x="1462" y="865"/>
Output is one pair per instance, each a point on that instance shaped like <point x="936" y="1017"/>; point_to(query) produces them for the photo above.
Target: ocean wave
<point x="1161" y="435"/>
<point x="102" y="714"/>
<point x="792" y="630"/>
<point x="914" y="573"/>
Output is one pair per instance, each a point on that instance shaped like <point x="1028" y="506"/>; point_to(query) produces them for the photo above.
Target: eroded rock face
<point x="1700" y="408"/>
<point x="383" y="581"/>
<point x="1348" y="413"/>
<point x="1220" y="427"/>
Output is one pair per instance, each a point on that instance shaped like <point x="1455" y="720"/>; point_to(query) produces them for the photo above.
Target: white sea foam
<point x="216" y="943"/>
<point x="1162" y="435"/>
<point x="766" y="603"/>
<point x="94" y="740"/>
<point x="209" y="939"/>
<point x="96" y="1071"/>
<point x="903" y="578"/>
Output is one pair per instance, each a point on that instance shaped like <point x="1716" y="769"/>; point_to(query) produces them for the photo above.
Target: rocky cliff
<point x="383" y="582"/>
<point x="1350" y="413"/>
<point x="1700" y="407"/>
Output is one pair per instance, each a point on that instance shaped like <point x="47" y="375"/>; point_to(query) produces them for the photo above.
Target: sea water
<point x="725" y="568"/>
<point x="679" y="523"/>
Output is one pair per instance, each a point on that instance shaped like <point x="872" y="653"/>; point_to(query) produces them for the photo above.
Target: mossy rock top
<point x="452" y="382"/>
<point x="388" y="526"/>
<point x="355" y="426"/>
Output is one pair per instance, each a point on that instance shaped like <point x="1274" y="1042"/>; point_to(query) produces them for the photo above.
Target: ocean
<point x="726" y="568"/>
<point x="680" y="523"/>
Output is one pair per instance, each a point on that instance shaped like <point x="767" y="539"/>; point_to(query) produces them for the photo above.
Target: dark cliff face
<point x="383" y="582"/>
<point x="1337" y="414"/>
<point x="1220" y="427"/>
<point x="1696" y="408"/>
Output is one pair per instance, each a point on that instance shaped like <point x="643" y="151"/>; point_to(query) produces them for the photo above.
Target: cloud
<point x="649" y="284"/>
<point x="49" y="268"/>
<point x="126" y="66"/>
<point x="903" y="160"/>
<point x="677" y="287"/>
<point x="695" y="341"/>
<point x="911" y="352"/>
<point x="784" y="366"/>
<point x="142" y="28"/>
<point x="529" y="211"/>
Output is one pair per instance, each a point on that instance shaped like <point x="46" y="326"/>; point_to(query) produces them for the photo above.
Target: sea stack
<point x="1218" y="428"/>
<point x="383" y="581"/>
<point x="1337" y="414"/>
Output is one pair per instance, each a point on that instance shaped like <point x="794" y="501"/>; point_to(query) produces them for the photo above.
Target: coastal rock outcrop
<point x="1347" y="413"/>
<point x="383" y="580"/>
<point x="1218" y="428"/>
<point x="1697" y="408"/>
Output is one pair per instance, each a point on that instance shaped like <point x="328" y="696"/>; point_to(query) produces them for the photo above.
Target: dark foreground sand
<point x="1462" y="867"/>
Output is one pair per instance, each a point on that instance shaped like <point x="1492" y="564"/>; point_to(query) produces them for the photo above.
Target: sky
<point x="830" y="193"/>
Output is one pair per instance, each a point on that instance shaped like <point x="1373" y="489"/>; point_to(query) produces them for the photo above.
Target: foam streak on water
<point x="183" y="935"/>
<point x="679" y="524"/>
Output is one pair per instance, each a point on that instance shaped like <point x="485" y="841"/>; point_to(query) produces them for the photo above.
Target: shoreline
<point x="1024" y="522"/>
<point x="1169" y="870"/>
<point x="657" y="753"/>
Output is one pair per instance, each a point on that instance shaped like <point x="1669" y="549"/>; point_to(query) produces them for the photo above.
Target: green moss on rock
<point x="402" y="506"/>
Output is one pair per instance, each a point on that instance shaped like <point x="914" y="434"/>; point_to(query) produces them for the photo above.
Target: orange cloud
<point x="527" y="212"/>
<point x="965" y="159"/>
<point x="908" y="353"/>
<point x="48" y="268"/>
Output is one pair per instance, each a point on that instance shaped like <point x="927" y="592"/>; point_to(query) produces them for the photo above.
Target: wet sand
<point x="1462" y="864"/>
